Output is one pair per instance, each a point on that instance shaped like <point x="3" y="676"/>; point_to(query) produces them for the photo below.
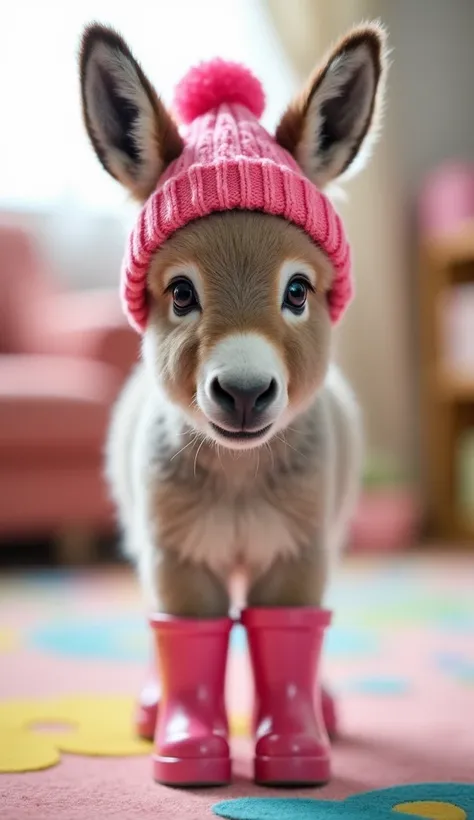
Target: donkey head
<point x="238" y="299"/>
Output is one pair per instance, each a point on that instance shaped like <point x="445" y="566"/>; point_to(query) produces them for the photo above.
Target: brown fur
<point x="192" y="508"/>
<point x="187" y="590"/>
<point x="290" y="130"/>
<point x="239" y="255"/>
<point x="211" y="486"/>
<point x="168" y="143"/>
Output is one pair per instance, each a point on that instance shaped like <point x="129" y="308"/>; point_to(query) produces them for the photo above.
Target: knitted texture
<point x="229" y="162"/>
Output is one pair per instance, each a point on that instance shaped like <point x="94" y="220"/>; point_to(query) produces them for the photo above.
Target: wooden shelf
<point x="447" y="396"/>
<point x="465" y="529"/>
<point x="454" y="386"/>
<point x="454" y="248"/>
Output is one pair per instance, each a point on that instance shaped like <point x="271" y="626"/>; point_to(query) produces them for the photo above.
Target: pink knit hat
<point x="229" y="161"/>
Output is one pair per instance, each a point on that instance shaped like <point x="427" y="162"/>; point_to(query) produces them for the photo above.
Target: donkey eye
<point x="296" y="294"/>
<point x="184" y="296"/>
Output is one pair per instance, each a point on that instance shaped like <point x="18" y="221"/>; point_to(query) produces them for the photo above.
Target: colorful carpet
<point x="400" y="656"/>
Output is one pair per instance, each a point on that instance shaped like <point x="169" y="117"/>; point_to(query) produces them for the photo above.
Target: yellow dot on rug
<point x="103" y="726"/>
<point x="432" y="809"/>
<point x="94" y="710"/>
<point x="25" y="751"/>
<point x="240" y="726"/>
<point x="104" y="713"/>
<point x="8" y="640"/>
<point x="84" y="725"/>
<point x="21" y="713"/>
<point x="90" y="743"/>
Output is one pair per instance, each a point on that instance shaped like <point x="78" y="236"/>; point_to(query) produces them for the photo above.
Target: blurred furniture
<point x="446" y="313"/>
<point x="385" y="521"/>
<point x="447" y="198"/>
<point x="63" y="358"/>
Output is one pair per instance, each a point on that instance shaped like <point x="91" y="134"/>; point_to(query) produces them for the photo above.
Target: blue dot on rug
<point x="44" y="580"/>
<point x="457" y="666"/>
<point x="451" y="661"/>
<point x="118" y="639"/>
<point x="341" y="642"/>
<point x="376" y="686"/>
<point x="438" y="801"/>
<point x="458" y="622"/>
<point x="238" y="638"/>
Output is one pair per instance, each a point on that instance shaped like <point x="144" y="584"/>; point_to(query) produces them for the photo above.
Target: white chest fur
<point x="226" y="537"/>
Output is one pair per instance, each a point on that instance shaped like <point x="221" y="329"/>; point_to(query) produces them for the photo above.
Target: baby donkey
<point x="235" y="444"/>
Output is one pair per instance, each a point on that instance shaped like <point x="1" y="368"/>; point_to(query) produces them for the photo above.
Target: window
<point x="45" y="160"/>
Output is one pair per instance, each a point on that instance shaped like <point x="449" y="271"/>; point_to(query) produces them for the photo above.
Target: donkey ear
<point x="133" y="135"/>
<point x="336" y="119"/>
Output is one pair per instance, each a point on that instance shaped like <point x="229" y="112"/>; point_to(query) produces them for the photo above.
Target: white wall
<point x="430" y="119"/>
<point x="49" y="176"/>
<point x="432" y="83"/>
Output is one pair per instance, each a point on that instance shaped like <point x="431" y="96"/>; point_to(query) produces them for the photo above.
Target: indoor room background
<point x="419" y="462"/>
<point x="73" y="643"/>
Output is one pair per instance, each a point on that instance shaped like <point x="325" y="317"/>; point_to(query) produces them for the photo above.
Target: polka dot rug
<point x="400" y="659"/>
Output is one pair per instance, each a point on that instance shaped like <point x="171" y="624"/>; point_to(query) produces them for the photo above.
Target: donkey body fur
<point x="194" y="503"/>
<point x="193" y="512"/>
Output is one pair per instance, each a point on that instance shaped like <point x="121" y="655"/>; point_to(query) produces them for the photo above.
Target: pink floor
<point x="401" y="657"/>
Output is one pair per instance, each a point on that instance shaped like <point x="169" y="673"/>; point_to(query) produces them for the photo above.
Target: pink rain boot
<point x="292" y="745"/>
<point x="146" y="713"/>
<point x="191" y="737"/>
<point x="328" y="706"/>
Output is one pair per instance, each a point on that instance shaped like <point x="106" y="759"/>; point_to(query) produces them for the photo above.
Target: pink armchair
<point x="63" y="358"/>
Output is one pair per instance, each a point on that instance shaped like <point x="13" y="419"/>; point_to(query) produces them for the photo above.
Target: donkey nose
<point x="243" y="404"/>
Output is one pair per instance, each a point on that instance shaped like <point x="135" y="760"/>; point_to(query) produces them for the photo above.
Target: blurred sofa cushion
<point x="53" y="405"/>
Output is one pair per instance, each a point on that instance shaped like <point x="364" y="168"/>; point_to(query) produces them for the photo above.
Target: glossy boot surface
<point x="191" y="736"/>
<point x="146" y="713"/>
<point x="292" y="745"/>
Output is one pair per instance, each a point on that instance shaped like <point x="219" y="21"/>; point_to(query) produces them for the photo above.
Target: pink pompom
<point x="208" y="85"/>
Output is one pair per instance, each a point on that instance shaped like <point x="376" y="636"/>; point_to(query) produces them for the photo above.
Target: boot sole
<point x="191" y="773"/>
<point x="292" y="771"/>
